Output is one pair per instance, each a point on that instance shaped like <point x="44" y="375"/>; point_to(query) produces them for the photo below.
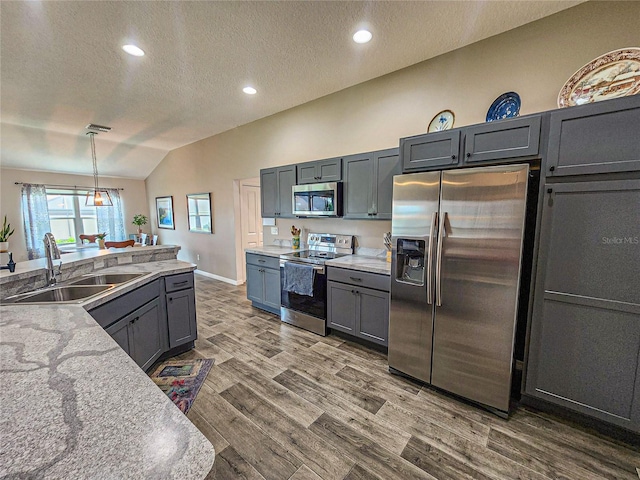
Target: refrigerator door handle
<point x="443" y="219"/>
<point x="434" y="226"/>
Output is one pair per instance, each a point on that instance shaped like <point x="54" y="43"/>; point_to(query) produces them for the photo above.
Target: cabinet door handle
<point x="175" y="284"/>
<point x="353" y="292"/>
<point x="171" y="299"/>
<point x="453" y="157"/>
<point x="468" y="154"/>
<point x="356" y="279"/>
<point x="552" y="168"/>
<point x="261" y="261"/>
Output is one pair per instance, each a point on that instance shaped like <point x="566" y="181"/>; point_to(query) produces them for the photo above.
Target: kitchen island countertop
<point x="79" y="405"/>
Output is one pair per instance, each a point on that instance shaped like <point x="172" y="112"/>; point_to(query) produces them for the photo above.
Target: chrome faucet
<point x="52" y="253"/>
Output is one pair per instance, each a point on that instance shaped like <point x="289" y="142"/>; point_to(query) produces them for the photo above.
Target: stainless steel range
<point x="309" y="310"/>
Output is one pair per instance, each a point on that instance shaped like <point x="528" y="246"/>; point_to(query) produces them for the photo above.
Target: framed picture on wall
<point x="199" y="212"/>
<point x="164" y="208"/>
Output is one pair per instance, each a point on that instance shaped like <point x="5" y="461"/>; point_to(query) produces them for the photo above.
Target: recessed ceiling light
<point x="249" y="90"/>
<point x="362" y="36"/>
<point x="133" y="50"/>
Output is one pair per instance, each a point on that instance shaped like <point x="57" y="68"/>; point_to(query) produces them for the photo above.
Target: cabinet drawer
<point x="263" y="260"/>
<point x="114" y="310"/>
<point x="511" y="138"/>
<point x="361" y="279"/>
<point x="178" y="282"/>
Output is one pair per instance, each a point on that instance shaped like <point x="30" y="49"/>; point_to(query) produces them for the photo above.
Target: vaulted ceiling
<point x="62" y="67"/>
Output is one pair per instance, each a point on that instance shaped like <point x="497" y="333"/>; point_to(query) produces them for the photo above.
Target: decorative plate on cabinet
<point x="442" y="121"/>
<point x="505" y="106"/>
<point x="614" y="74"/>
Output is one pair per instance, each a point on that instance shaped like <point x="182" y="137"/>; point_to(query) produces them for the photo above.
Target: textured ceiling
<point x="62" y="67"/>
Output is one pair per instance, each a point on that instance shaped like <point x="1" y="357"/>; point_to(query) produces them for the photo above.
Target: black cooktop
<point x="317" y="255"/>
<point x="312" y="256"/>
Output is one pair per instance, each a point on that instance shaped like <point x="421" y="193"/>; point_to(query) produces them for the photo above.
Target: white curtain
<point x="111" y="219"/>
<point x="35" y="212"/>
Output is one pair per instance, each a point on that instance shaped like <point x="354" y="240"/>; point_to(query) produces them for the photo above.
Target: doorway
<point x="249" y="221"/>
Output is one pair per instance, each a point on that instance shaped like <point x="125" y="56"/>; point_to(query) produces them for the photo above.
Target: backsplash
<point x="368" y="233"/>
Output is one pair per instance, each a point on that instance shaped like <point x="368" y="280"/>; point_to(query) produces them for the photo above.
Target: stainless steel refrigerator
<point x="457" y="249"/>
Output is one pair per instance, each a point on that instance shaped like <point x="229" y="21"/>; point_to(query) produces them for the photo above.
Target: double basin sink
<point x="74" y="291"/>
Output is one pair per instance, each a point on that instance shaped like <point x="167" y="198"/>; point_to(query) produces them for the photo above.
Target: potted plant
<point x="139" y="220"/>
<point x="100" y="237"/>
<point x="5" y="233"/>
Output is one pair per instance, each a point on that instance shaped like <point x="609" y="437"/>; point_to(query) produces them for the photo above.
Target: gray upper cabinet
<point x="584" y="349"/>
<point x="328" y="170"/>
<point x="369" y="184"/>
<point x="433" y="150"/>
<point x="358" y="186"/>
<point x="386" y="164"/>
<point x="512" y="138"/>
<point x="275" y="191"/>
<point x="602" y="137"/>
<point x="491" y="142"/>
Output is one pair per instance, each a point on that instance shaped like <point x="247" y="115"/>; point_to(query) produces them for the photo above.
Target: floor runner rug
<point x="181" y="380"/>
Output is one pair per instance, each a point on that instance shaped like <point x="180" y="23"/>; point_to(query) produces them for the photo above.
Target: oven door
<point x="315" y="306"/>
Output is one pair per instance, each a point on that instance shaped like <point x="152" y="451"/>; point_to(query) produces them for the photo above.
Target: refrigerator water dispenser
<point x="410" y="265"/>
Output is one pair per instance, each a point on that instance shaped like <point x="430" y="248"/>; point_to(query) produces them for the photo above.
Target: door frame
<point x="237" y="210"/>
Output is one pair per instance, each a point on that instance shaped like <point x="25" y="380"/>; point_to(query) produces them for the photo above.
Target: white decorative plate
<point x="442" y="121"/>
<point x="612" y="75"/>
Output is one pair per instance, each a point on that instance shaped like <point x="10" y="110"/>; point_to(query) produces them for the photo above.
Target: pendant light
<point x="98" y="197"/>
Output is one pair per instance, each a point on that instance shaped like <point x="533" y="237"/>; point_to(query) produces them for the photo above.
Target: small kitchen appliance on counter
<point x="305" y="271"/>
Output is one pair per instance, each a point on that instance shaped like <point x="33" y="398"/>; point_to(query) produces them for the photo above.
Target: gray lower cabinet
<point x="141" y="334"/>
<point x="181" y="316"/>
<point x="356" y="309"/>
<point x="263" y="282"/>
<point x="369" y="184"/>
<point x="152" y="319"/>
<point x="602" y="137"/>
<point x="328" y="170"/>
<point x="584" y="348"/>
<point x="275" y="191"/>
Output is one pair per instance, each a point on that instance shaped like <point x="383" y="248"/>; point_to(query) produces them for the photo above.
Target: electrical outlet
<point x="274" y="230"/>
<point x="198" y="257"/>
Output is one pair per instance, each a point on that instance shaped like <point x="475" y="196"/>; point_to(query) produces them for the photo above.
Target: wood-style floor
<point x="282" y="403"/>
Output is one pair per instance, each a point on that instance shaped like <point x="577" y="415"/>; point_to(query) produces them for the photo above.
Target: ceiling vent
<point x="97" y="128"/>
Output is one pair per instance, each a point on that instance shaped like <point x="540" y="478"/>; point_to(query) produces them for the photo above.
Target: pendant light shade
<point x="98" y="197"/>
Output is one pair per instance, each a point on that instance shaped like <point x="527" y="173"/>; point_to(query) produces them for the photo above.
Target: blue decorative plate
<point x="505" y="106"/>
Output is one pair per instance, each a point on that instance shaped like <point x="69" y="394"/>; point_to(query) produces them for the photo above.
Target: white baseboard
<point x="217" y="277"/>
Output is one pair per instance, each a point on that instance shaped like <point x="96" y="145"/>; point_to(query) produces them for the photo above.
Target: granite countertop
<point x="79" y="405"/>
<point x="271" y="250"/>
<point x="30" y="268"/>
<point x="363" y="263"/>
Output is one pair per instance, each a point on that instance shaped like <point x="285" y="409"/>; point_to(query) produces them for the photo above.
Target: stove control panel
<point x="330" y="242"/>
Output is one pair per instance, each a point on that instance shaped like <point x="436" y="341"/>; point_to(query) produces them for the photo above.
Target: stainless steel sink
<point x="106" y="279"/>
<point x="62" y="294"/>
<point x="74" y="291"/>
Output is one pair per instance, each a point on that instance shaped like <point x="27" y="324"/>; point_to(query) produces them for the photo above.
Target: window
<point x="62" y="211"/>
<point x="69" y="216"/>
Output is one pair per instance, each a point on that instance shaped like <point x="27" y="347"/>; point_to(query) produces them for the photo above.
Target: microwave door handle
<point x="432" y="232"/>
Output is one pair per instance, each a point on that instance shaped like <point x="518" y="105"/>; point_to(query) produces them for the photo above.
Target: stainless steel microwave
<point x="317" y="200"/>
